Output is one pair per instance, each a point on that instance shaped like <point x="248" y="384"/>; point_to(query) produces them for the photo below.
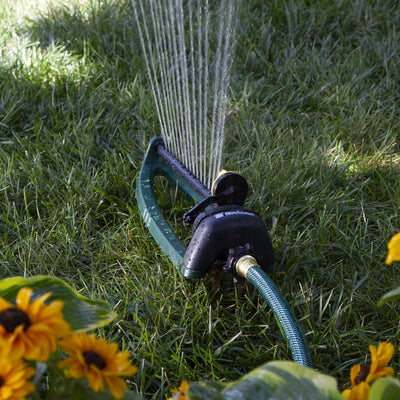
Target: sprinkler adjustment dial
<point x="234" y="182"/>
<point x="229" y="188"/>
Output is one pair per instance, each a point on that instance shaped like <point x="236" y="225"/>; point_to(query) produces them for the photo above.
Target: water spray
<point x="191" y="110"/>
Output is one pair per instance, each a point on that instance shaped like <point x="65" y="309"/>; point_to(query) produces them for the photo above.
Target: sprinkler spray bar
<point x="182" y="170"/>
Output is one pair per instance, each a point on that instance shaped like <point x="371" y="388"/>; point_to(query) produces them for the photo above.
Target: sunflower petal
<point x="35" y="306"/>
<point x="95" y="379"/>
<point x="355" y="370"/>
<point x="393" y="249"/>
<point x="23" y="298"/>
<point x="5" y="392"/>
<point x="386" y="371"/>
<point x="380" y="356"/>
<point x="4" y="304"/>
<point x="54" y="308"/>
<point x="184" y="387"/>
<point x="116" y="385"/>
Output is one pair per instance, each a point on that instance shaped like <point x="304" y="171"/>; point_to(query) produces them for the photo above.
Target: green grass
<point x="313" y="124"/>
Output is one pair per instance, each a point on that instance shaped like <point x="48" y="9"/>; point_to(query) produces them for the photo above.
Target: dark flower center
<point x="93" y="358"/>
<point x="11" y="318"/>
<point x="362" y="375"/>
<point x="1" y="381"/>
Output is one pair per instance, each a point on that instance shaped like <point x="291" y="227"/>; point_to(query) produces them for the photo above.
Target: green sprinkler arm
<point x="154" y="165"/>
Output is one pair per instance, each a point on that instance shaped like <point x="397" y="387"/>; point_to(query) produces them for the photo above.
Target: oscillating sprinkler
<point x="223" y="231"/>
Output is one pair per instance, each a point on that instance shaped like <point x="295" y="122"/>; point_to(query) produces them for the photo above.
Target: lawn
<point x="313" y="123"/>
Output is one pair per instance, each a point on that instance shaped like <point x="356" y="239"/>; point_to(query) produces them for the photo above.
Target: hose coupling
<point x="244" y="263"/>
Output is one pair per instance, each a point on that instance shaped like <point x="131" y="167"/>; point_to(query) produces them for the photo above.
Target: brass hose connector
<point x="244" y="264"/>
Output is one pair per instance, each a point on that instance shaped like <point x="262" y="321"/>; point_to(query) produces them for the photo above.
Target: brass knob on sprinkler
<point x="232" y="186"/>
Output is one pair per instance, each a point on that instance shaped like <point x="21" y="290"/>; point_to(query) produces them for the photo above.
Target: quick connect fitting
<point x="243" y="264"/>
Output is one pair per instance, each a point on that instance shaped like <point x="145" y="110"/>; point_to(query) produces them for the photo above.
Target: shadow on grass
<point x="64" y="146"/>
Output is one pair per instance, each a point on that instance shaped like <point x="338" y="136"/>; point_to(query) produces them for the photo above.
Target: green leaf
<point x="89" y="394"/>
<point x="276" y="380"/>
<point x="106" y="395"/>
<point x="80" y="390"/>
<point x="391" y="296"/>
<point x="80" y="312"/>
<point x="385" y="389"/>
<point x="205" y="390"/>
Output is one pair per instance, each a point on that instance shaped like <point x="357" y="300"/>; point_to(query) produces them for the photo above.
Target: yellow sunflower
<point x="29" y="329"/>
<point x="362" y="376"/>
<point x="393" y="249"/>
<point x="98" y="361"/>
<point x="13" y="379"/>
<point x="180" y="394"/>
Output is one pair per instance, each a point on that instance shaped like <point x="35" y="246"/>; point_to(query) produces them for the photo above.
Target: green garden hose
<point x="247" y="267"/>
